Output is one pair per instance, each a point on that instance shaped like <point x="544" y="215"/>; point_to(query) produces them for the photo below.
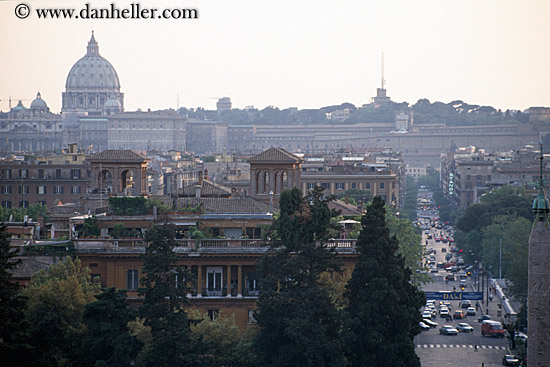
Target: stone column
<point x="253" y="183"/>
<point x="538" y="314"/>
<point x="228" y="280"/>
<point x="240" y="282"/>
<point x="199" y="281"/>
<point x="271" y="181"/>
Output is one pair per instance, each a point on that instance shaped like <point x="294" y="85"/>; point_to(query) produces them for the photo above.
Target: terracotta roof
<point x="346" y="209"/>
<point x="117" y="155"/>
<point x="208" y="189"/>
<point x="165" y="199"/>
<point x="275" y="155"/>
<point x="226" y="205"/>
<point x="27" y="268"/>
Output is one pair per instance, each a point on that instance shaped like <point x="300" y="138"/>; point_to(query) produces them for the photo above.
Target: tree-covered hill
<point x="454" y="113"/>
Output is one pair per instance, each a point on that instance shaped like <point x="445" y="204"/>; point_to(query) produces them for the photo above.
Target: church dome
<point x="92" y="72"/>
<point x="112" y="103"/>
<point x="39" y="103"/>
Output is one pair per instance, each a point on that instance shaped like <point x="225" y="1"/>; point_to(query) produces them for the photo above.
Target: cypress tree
<point x="383" y="312"/>
<point x="165" y="288"/>
<point x="299" y="323"/>
<point x="13" y="347"/>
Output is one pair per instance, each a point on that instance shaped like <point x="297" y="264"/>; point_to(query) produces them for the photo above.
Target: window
<point x="252" y="288"/>
<point x="41" y="173"/>
<point x="310" y="185"/>
<point x="23" y="189"/>
<point x="75" y="173"/>
<point x="251" y="318"/>
<point x="367" y="185"/>
<point x="23" y="204"/>
<point x="339" y="186"/>
<point x="382" y="185"/>
<point x="6" y="189"/>
<point x="41" y="202"/>
<point x="58" y="189"/>
<point x="41" y="190"/>
<point x="354" y="185"/>
<point x="214" y="280"/>
<point x="132" y="281"/>
<point x="325" y="185"/>
<point x="6" y="204"/>
<point x="75" y="190"/>
<point x="252" y="232"/>
<point x="23" y="173"/>
<point x="213" y="314"/>
<point x="6" y="173"/>
<point x="58" y="173"/>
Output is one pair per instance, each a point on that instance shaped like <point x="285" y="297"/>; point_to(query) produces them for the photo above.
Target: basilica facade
<point x="92" y="116"/>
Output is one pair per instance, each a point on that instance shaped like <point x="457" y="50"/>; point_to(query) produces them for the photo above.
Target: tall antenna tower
<point x="383" y="81"/>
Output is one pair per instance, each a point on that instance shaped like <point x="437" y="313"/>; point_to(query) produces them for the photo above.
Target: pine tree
<point x="12" y="328"/>
<point x="108" y="341"/>
<point x="383" y="313"/>
<point x="165" y="288"/>
<point x="299" y="323"/>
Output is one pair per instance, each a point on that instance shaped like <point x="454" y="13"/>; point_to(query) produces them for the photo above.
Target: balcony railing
<point x="129" y="244"/>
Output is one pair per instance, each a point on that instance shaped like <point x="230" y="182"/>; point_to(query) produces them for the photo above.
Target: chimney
<point x="197" y="191"/>
<point x="346" y="199"/>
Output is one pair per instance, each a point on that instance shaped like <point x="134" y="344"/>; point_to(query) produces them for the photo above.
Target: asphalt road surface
<point x="460" y="350"/>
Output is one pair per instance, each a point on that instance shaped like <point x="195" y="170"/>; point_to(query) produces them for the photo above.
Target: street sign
<point x="455" y="296"/>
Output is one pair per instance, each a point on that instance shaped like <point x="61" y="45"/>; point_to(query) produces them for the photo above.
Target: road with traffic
<point x="464" y="349"/>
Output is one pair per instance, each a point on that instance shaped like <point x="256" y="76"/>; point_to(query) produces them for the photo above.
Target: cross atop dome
<point x="93" y="48"/>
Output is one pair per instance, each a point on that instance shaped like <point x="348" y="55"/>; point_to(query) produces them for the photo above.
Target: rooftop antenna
<point x="383" y="81"/>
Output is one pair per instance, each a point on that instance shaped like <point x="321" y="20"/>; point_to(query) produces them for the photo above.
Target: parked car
<point x="464" y="327"/>
<point x="510" y="360"/>
<point x="520" y="336"/>
<point x="448" y="330"/>
<point x="471" y="311"/>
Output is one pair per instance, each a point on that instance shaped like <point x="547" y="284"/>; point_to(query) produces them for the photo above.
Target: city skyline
<point x="290" y="54"/>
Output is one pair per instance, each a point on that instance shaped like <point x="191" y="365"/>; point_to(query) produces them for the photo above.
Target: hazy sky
<point x="295" y="53"/>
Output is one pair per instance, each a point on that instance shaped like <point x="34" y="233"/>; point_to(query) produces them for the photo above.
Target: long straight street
<point x="464" y="349"/>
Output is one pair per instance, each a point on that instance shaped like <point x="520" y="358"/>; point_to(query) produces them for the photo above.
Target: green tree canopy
<point x="108" y="341"/>
<point x="383" y="312"/>
<point x="165" y="287"/>
<point x="56" y="300"/>
<point x="299" y="322"/>
<point x="13" y="348"/>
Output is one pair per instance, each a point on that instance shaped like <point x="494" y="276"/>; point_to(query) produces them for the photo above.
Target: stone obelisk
<point x="538" y="301"/>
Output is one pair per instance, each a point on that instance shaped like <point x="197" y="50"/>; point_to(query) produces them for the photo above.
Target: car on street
<point x="423" y="326"/>
<point x="430" y="323"/>
<point x="464" y="327"/>
<point x="520" y="336"/>
<point x="510" y="360"/>
<point x="471" y="311"/>
<point x="466" y="304"/>
<point x="484" y="317"/>
<point x="444" y="312"/>
<point x="427" y="315"/>
<point x="448" y="330"/>
<point x="450" y="277"/>
<point x="458" y="314"/>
